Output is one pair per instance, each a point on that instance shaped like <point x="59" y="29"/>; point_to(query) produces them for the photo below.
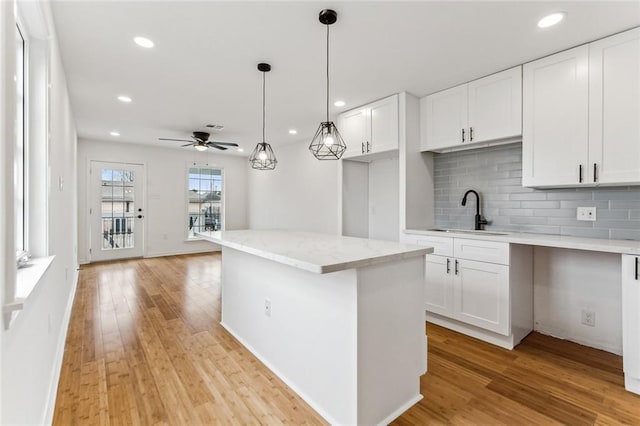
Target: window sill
<point x="27" y="280"/>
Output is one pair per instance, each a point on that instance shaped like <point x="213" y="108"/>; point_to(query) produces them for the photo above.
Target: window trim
<point x="20" y="251"/>
<point x="223" y="209"/>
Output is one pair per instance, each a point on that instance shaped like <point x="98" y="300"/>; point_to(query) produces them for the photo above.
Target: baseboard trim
<point x="507" y="342"/>
<point x="404" y="407"/>
<point x="166" y="254"/>
<point x="57" y="367"/>
<point x="632" y="384"/>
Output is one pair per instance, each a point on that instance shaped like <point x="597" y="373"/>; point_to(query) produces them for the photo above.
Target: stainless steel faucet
<point x="479" y="220"/>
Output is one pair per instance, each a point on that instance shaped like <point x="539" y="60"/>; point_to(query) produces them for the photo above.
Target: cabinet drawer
<point x="442" y="246"/>
<point x="482" y="251"/>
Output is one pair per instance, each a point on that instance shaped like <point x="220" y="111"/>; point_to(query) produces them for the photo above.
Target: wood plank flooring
<point x="145" y="347"/>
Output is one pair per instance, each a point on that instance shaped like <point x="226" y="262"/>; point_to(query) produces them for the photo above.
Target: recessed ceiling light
<point x="339" y="103"/>
<point x="240" y="150"/>
<point x="143" y="42"/>
<point x="293" y="132"/>
<point x="114" y="133"/>
<point x="125" y="99"/>
<point x="551" y="20"/>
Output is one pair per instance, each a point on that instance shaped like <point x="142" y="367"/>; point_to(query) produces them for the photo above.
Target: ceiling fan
<point x="201" y="142"/>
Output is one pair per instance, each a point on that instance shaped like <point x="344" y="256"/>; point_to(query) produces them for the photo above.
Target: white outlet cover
<point x="586" y="213"/>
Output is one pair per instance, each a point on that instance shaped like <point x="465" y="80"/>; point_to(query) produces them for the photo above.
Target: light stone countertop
<point x="318" y="253"/>
<point x="559" y="241"/>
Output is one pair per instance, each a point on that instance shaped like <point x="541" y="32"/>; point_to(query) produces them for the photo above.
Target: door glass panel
<point x="118" y="198"/>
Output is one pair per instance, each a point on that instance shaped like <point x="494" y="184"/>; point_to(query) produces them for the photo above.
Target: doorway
<point x="116" y="211"/>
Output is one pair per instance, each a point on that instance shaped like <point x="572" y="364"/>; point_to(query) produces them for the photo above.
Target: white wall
<point x="165" y="192"/>
<point x="32" y="347"/>
<point x="301" y="194"/>
<point x="568" y="281"/>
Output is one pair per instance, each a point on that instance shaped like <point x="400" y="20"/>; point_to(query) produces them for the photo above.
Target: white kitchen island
<point x="340" y="320"/>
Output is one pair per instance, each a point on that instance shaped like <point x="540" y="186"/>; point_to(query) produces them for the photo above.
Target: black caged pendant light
<point x="262" y="157"/>
<point x="327" y="144"/>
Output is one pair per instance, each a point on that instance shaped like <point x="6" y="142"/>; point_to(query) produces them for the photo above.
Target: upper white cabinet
<point x="581" y="111"/>
<point x="614" y="108"/>
<point x="556" y="119"/>
<point x="370" y="129"/>
<point x="484" y="110"/>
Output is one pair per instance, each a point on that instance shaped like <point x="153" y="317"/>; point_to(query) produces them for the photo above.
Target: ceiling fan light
<point x="201" y="147"/>
<point x="327" y="144"/>
<point x="262" y="157"/>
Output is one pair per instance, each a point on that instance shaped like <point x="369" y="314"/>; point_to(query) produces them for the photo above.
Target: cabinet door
<point x="438" y="285"/>
<point x="495" y="106"/>
<point x="631" y="316"/>
<point x="353" y="128"/>
<point x="482" y="295"/>
<point x="614" y="109"/>
<point x="556" y="119"/>
<point x="445" y="118"/>
<point x="383" y="125"/>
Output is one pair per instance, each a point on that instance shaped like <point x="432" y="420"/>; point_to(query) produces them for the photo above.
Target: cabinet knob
<point x="139" y="216"/>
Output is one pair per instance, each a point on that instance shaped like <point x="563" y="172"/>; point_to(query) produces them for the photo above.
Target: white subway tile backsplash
<point x="496" y="174"/>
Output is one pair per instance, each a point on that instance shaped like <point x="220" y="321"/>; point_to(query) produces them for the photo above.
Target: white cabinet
<point x="614" y="109"/>
<point x="631" y="321"/>
<point x="482" y="291"/>
<point x="484" y="110"/>
<point x="370" y="129"/>
<point x="477" y="287"/>
<point x="581" y="110"/>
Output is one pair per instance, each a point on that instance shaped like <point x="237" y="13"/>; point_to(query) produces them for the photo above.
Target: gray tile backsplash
<point x="496" y="174"/>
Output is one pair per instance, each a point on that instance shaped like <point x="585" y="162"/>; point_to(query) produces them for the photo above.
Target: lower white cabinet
<point x="480" y="288"/>
<point x="631" y="321"/>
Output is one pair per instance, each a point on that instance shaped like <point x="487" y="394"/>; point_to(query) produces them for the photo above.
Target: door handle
<point x="457" y="267"/>
<point x="449" y="265"/>
<point x="580" y="173"/>
<point x="463" y="135"/>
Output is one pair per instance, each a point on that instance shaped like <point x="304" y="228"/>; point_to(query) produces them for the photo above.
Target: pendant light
<point x="327" y="144"/>
<point x="262" y="157"/>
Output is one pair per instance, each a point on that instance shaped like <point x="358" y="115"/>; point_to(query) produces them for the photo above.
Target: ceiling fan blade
<point x="177" y="140"/>
<point x="189" y="144"/>
<point x="213" y="145"/>
<point x="223" y="143"/>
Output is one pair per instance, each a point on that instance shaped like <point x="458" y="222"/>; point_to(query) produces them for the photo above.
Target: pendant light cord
<point x="263" y="105"/>
<point x="327" y="73"/>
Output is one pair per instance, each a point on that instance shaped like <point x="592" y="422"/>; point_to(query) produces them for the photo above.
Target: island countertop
<point x="314" y="252"/>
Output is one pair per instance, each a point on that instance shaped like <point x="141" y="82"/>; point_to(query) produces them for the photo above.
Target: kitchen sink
<point x="467" y="231"/>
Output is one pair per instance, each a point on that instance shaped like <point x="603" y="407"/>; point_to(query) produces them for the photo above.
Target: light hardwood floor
<point x="145" y="347"/>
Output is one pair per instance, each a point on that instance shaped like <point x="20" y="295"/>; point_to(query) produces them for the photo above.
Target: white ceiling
<point x="203" y="68"/>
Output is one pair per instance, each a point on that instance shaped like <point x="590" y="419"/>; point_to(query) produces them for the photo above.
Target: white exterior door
<point x="614" y="108"/>
<point x="495" y="106"/>
<point x="353" y="129"/>
<point x="116" y="212"/>
<point x="446" y="118"/>
<point x="438" y="285"/>
<point x="384" y="125"/>
<point x="482" y="291"/>
<point x="556" y="119"/>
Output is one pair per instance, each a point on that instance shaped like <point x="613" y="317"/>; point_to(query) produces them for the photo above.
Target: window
<point x="117" y="208"/>
<point x="204" y="200"/>
<point x="20" y="152"/>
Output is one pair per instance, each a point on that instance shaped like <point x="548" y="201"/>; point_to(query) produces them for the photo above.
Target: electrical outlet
<point x="586" y="213"/>
<point x="267" y="307"/>
<point x="588" y="317"/>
